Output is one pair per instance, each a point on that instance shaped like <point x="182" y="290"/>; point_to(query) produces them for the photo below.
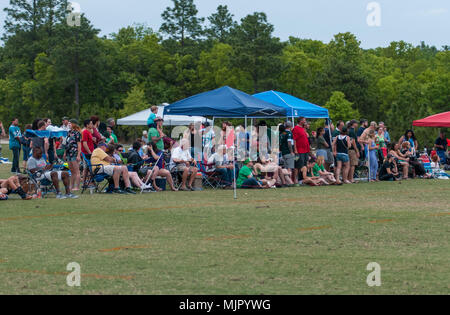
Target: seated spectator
<point x="272" y="170"/>
<point x="156" y="156"/>
<point x="436" y="169"/>
<point x="101" y="157"/>
<point x="37" y="165"/>
<point x="222" y="165"/>
<point x="247" y="180"/>
<point x="12" y="185"/>
<point x="400" y="158"/>
<point x="307" y="177"/>
<point x="320" y="171"/>
<point x="389" y="171"/>
<point x="182" y="161"/>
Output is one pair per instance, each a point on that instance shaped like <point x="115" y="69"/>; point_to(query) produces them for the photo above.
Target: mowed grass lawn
<point x="302" y="240"/>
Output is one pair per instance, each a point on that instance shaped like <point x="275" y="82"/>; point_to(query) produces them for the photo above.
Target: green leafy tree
<point x="257" y="51"/>
<point x="340" y="108"/>
<point x="181" y="21"/>
<point x="221" y="23"/>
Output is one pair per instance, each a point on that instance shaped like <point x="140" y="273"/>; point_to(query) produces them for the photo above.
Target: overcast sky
<point x="409" y="20"/>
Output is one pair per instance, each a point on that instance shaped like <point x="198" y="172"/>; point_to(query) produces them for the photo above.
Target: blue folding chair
<point x="95" y="177"/>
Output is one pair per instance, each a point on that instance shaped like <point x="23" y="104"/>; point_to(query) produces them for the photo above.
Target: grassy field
<point x="307" y="240"/>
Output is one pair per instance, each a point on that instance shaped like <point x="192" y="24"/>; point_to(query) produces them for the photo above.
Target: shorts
<point x="71" y="159"/>
<point x="48" y="175"/>
<point x="289" y="161"/>
<point x="354" y="161"/>
<point x="181" y="167"/>
<point x="330" y="157"/>
<point x="109" y="169"/>
<point x="343" y="157"/>
<point x="301" y="160"/>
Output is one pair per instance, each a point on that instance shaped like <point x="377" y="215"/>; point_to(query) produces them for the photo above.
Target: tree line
<point x="51" y="69"/>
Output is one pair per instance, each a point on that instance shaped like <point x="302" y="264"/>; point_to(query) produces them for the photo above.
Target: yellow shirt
<point x="98" y="157"/>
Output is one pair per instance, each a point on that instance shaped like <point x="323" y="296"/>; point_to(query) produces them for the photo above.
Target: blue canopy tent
<point x="294" y="106"/>
<point x="225" y="102"/>
<point x="46" y="133"/>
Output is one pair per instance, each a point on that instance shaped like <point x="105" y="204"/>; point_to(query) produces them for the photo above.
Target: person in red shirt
<point x="98" y="138"/>
<point x="301" y="146"/>
<point x="87" y="142"/>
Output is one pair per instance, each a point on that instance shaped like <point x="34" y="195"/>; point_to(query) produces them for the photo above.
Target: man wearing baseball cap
<point x="101" y="159"/>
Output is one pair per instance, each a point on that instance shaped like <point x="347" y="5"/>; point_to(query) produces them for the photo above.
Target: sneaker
<point x="118" y="191"/>
<point x="128" y="190"/>
<point x="60" y="196"/>
<point x="71" y="196"/>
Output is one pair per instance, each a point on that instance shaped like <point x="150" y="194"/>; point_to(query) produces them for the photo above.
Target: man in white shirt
<point x="222" y="165"/>
<point x="182" y="161"/>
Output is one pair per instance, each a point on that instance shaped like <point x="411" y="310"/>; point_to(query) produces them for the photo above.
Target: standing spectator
<point x="340" y="124"/>
<point x="87" y="146"/>
<point x="156" y="135"/>
<point x="329" y="129"/>
<point x="145" y="136"/>
<point x="301" y="147"/>
<point x="73" y="153"/>
<point x="373" y="160"/>
<point x="65" y="124"/>
<point x="52" y="156"/>
<point x="340" y="145"/>
<point x="97" y="137"/>
<point x="363" y="124"/>
<point x="441" y="147"/>
<point x="2" y="134"/>
<point x="387" y="137"/>
<point x="287" y="149"/>
<point x="112" y="139"/>
<point x="26" y="145"/>
<point x="208" y="140"/>
<point x="381" y="142"/>
<point x="40" y="142"/>
<point x="411" y="138"/>
<point x="353" y="151"/>
<point x="14" y="144"/>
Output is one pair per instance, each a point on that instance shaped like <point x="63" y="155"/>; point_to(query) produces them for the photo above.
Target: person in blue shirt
<point x="14" y="144"/>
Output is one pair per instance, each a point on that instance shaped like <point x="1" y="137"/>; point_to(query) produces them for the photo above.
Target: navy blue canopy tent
<point x="225" y="102"/>
<point x="294" y="106"/>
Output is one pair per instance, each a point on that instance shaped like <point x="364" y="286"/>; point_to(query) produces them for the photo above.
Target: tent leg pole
<point x="234" y="176"/>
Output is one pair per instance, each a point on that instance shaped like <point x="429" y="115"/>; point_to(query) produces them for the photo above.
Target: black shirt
<point x="134" y="158"/>
<point x="440" y="141"/>
<point x="386" y="165"/>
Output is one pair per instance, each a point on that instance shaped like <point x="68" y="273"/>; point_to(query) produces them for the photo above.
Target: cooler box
<point x="161" y="182"/>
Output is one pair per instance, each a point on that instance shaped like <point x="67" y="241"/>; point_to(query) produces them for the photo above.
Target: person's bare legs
<point x="351" y="174"/>
<point x="66" y="181"/>
<point x="345" y="172"/>
<point x="166" y="174"/>
<point x="295" y="179"/>
<point x="192" y="178"/>
<point x="116" y="177"/>
<point x="126" y="176"/>
<point x="184" y="178"/>
<point x="134" y="177"/>
<point x="55" y="181"/>
<point x="75" y="178"/>
<point x="338" y="171"/>
<point x="405" y="170"/>
<point x="153" y="177"/>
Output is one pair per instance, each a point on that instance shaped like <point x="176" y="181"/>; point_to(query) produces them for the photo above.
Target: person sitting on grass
<point x="389" y="171"/>
<point x="182" y="161"/>
<point x="320" y="171"/>
<point x="307" y="177"/>
<point x="105" y="163"/>
<point x="12" y="185"/>
<point x="37" y="165"/>
<point x="247" y="180"/>
<point x="268" y="166"/>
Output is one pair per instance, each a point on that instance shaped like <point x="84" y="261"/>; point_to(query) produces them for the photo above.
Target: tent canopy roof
<point x="295" y="107"/>
<point x="140" y="119"/>
<point x="225" y="102"/>
<point x="441" y="120"/>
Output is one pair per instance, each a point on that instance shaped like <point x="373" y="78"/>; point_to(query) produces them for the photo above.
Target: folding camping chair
<point x="40" y="187"/>
<point x="210" y="178"/>
<point x="96" y="177"/>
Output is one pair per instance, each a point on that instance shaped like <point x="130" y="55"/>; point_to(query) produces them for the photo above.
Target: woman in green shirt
<point x="320" y="171"/>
